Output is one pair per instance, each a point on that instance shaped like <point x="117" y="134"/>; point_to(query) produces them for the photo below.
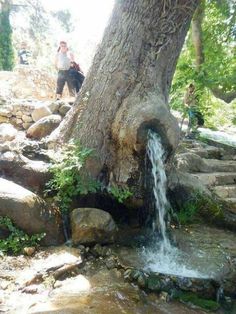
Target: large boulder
<point x="29" y="212"/>
<point x="44" y="126"/>
<point x="181" y="186"/>
<point x="31" y="174"/>
<point x="92" y="225"/>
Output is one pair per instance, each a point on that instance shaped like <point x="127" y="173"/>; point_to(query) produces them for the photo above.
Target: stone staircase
<point x="215" y="166"/>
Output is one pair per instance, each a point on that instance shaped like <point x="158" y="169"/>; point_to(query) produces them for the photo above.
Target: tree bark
<point x="126" y="90"/>
<point x="197" y="34"/>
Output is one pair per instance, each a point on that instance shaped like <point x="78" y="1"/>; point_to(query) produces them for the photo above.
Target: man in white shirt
<point x="63" y="59"/>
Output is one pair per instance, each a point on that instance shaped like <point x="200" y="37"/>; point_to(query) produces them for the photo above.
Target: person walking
<point x="63" y="61"/>
<point x="194" y="115"/>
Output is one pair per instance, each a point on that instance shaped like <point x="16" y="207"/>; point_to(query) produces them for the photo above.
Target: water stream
<point x="161" y="255"/>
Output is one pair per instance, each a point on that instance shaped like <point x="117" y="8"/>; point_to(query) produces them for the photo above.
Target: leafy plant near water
<point x="119" y="193"/>
<point x="69" y="177"/>
<point x="188" y="297"/>
<point x="200" y="205"/>
<point x="18" y="239"/>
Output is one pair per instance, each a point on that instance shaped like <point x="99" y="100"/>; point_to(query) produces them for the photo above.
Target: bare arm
<point x="56" y="61"/>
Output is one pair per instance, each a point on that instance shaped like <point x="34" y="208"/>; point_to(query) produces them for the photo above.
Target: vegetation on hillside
<point x="6" y="47"/>
<point x="212" y="65"/>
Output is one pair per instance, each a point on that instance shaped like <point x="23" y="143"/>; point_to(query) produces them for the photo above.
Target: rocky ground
<point x="100" y="279"/>
<point x="80" y="280"/>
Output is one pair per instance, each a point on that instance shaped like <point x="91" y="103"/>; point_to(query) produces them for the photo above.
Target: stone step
<point x="232" y="204"/>
<point x="225" y="191"/>
<point x="216" y="178"/>
<point x="215" y="165"/>
<point x="208" y="153"/>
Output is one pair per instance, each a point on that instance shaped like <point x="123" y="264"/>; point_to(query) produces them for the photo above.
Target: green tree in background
<point x="208" y="58"/>
<point x="6" y="48"/>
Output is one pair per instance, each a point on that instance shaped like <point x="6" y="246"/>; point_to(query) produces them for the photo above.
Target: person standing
<point x="191" y="103"/>
<point x="24" y="54"/>
<point x="63" y="60"/>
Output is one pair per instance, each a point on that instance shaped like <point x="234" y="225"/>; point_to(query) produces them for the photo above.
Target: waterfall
<point x="161" y="255"/>
<point x="156" y="154"/>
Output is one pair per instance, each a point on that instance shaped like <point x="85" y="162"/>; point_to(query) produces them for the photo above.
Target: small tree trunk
<point x="197" y="34"/>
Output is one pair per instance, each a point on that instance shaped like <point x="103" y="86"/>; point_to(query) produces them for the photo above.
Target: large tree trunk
<point x="126" y="90"/>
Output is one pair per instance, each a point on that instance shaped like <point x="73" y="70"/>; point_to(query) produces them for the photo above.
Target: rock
<point x="182" y="185"/>
<point x="92" y="225"/>
<point x="29" y="250"/>
<point x="4" y="119"/>
<point x="26" y="118"/>
<point x="26" y="125"/>
<point x="43" y="127"/>
<point x="111" y="262"/>
<point x="7" y="132"/>
<point x="40" y="112"/>
<point x="54" y="106"/>
<point x="32" y="174"/>
<point x="29" y="212"/>
<point x="190" y="162"/>
<point x="6" y="112"/>
<point x="64" y="109"/>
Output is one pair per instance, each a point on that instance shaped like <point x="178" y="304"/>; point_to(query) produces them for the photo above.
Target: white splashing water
<point x="162" y="256"/>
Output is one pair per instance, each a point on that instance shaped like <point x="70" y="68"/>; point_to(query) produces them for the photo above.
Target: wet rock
<point x="92" y="225"/>
<point x="111" y="262"/>
<point x="164" y="296"/>
<point x="43" y="127"/>
<point x="154" y="283"/>
<point x="99" y="250"/>
<point x="29" y="212"/>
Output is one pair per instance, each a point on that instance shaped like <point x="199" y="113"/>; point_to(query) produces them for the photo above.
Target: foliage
<point x="119" y="193"/>
<point x="200" y="205"/>
<point x="64" y="17"/>
<point x="69" y="177"/>
<point x="218" y="70"/>
<point x="189" y="297"/>
<point x="6" y="48"/>
<point x="17" y="240"/>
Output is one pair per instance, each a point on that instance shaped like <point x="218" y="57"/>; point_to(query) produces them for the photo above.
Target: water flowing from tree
<point x="162" y="256"/>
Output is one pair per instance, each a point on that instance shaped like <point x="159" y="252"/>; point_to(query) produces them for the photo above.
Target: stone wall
<point x="24" y="113"/>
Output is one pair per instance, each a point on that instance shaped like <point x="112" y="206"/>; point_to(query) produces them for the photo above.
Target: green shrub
<point x="200" y="206"/>
<point x="188" y="297"/>
<point x="119" y="193"/>
<point x="69" y="177"/>
<point x="17" y="240"/>
<point x="6" y="48"/>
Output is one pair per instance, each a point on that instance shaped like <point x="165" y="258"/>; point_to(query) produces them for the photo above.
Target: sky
<point x="90" y="15"/>
<point x="90" y="18"/>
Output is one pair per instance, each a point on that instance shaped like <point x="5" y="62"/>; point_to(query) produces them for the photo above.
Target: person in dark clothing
<point x="76" y="76"/>
<point x="24" y="54"/>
